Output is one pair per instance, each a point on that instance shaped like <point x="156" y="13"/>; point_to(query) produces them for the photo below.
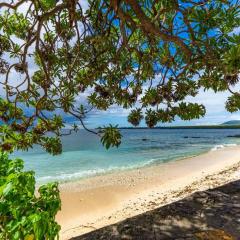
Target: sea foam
<point x="66" y="177"/>
<point x="217" y="147"/>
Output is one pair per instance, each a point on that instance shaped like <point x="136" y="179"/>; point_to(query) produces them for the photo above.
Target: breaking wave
<point x="217" y="147"/>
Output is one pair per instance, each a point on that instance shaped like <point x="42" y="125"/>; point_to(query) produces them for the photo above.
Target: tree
<point x="145" y="54"/>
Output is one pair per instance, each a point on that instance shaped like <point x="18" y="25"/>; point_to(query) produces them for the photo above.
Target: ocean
<point x="84" y="156"/>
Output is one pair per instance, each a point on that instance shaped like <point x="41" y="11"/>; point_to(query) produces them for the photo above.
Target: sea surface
<point x="84" y="156"/>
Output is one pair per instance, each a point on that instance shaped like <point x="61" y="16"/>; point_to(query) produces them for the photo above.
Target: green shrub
<point x="23" y="213"/>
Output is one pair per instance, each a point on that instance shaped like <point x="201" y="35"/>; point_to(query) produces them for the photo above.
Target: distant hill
<point x="233" y="122"/>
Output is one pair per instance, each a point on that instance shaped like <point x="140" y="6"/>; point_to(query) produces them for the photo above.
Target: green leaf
<point x="7" y="189"/>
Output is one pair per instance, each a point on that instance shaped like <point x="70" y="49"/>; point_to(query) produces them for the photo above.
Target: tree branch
<point x="148" y="27"/>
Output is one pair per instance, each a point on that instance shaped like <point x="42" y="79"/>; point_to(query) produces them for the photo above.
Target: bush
<point x="23" y="215"/>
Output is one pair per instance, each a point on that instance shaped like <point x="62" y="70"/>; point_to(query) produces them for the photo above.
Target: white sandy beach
<point x="95" y="202"/>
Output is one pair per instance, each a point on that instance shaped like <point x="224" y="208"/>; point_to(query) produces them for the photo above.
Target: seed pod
<point x="102" y="91"/>
<point x="6" y="147"/>
<point x="38" y="130"/>
<point x="3" y="66"/>
<point x="20" y="67"/>
<point x="18" y="127"/>
<point x="232" y="79"/>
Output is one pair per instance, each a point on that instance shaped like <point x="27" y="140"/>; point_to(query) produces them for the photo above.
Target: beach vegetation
<point x="23" y="214"/>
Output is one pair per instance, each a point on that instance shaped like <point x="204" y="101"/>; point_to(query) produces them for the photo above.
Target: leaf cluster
<point x="23" y="215"/>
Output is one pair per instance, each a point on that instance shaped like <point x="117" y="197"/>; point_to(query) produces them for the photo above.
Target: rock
<point x="191" y="137"/>
<point x="234" y="136"/>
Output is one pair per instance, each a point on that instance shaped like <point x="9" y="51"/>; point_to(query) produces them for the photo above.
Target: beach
<point x="98" y="201"/>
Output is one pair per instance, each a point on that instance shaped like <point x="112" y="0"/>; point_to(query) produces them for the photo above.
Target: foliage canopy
<point x="57" y="57"/>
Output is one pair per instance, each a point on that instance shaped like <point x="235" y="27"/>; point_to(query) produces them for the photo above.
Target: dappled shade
<point x="211" y="214"/>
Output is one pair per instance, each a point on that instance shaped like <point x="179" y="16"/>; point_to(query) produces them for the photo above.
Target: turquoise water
<point x="84" y="156"/>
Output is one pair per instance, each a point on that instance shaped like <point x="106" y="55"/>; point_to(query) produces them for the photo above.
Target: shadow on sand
<point x="212" y="214"/>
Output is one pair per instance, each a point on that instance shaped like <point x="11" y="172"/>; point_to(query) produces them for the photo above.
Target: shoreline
<point x="101" y="200"/>
<point x="150" y="163"/>
<point x="122" y="169"/>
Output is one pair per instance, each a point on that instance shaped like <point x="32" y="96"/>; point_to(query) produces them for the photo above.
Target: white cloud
<point x="236" y="30"/>
<point x="214" y="102"/>
<point x="234" y="116"/>
<point x="84" y="5"/>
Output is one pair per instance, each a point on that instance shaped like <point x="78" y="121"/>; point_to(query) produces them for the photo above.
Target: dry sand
<point x="102" y="200"/>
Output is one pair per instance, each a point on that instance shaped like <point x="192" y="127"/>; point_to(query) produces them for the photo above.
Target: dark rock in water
<point x="144" y="139"/>
<point x="207" y="215"/>
<point x="234" y="136"/>
<point x="190" y="137"/>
